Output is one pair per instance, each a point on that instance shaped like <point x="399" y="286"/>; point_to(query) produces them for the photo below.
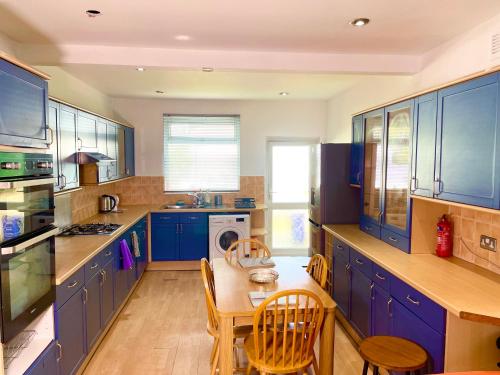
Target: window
<point x="201" y="152"/>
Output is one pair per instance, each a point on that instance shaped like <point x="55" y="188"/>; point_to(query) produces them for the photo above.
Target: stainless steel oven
<point x="27" y="245"/>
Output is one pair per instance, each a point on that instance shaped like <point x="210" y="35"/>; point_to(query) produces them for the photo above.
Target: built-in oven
<point x="27" y="244"/>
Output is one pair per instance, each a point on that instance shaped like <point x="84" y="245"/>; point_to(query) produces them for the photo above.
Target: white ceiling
<point x="398" y="26"/>
<point x="122" y="81"/>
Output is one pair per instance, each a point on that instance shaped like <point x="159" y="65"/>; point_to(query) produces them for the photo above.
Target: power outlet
<point x="488" y="243"/>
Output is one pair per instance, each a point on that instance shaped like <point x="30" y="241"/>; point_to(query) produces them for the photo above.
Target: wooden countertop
<point x="224" y="208"/>
<point x="465" y="290"/>
<point x="72" y="252"/>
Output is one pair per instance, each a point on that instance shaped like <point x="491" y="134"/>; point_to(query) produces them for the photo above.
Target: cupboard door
<point x="119" y="276"/>
<point x="67" y="147"/>
<point x="107" y="298"/>
<point x="407" y="325"/>
<point x="87" y="132"/>
<point x="129" y="152"/>
<point x="372" y="168"/>
<point x="101" y="136"/>
<point x="164" y="241"/>
<point x="341" y="283"/>
<point x="424" y="144"/>
<point x="112" y="149"/>
<point x="71" y="334"/>
<point x="381" y="310"/>
<point x="53" y="148"/>
<point x="468" y="146"/>
<point x="397" y="205"/>
<point x="92" y="300"/>
<point x="193" y="241"/>
<point x="361" y="298"/>
<point x="356" y="150"/>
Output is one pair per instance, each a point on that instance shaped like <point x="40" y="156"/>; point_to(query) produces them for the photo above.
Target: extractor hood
<point x="92" y="157"/>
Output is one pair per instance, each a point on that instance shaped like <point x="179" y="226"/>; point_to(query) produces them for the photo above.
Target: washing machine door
<point x="225" y="238"/>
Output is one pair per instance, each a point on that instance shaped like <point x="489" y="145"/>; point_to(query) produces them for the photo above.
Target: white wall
<point x="7" y="45"/>
<point x="466" y="54"/>
<point x="259" y="120"/>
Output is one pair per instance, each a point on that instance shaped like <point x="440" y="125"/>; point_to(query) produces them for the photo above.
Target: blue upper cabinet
<point x="23" y="107"/>
<point x="129" y="152"/>
<point x="424" y="144"/>
<point x="467" y="152"/>
<point x="356" y="150"/>
<point x="87" y="132"/>
<point x="372" y="176"/>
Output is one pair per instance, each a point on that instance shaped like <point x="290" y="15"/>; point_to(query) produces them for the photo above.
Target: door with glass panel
<point x="288" y="196"/>
<point x="373" y="171"/>
<point x="398" y="157"/>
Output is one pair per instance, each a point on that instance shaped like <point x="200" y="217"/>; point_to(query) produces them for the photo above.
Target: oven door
<point x="26" y="206"/>
<point x="27" y="280"/>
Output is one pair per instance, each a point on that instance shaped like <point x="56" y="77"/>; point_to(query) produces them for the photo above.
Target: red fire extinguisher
<point x="444" y="246"/>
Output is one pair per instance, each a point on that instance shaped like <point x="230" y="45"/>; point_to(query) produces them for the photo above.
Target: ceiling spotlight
<point x="93" y="13"/>
<point x="182" y="37"/>
<point x="284" y="93"/>
<point x="160" y="92"/>
<point x="207" y="69"/>
<point x="359" y="22"/>
<point x="139" y="69"/>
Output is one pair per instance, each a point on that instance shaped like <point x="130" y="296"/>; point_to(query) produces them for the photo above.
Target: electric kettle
<point x="107" y="203"/>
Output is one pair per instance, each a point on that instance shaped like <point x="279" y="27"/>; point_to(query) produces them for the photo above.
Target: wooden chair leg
<point x="375" y="370"/>
<point x="214" y="348"/>
<point x="365" y="368"/>
<point x="315" y="365"/>
<point x="249" y="369"/>
<point x="216" y="361"/>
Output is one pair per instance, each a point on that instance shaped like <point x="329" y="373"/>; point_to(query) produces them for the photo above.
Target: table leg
<point x="226" y="346"/>
<point x="326" y="349"/>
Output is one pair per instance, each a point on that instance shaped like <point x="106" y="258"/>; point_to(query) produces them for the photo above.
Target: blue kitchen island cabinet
<point x="356" y="150"/>
<point x="468" y="146"/>
<point x="179" y="236"/>
<point x="46" y="363"/>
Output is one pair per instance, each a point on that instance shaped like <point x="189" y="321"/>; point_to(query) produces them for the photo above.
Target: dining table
<point x="232" y="286"/>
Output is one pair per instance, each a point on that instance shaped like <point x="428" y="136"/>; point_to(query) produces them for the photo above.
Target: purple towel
<point x="127" y="262"/>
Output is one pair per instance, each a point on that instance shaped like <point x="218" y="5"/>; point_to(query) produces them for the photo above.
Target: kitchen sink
<point x="177" y="207"/>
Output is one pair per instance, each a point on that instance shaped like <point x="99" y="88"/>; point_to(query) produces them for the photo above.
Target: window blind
<point x="201" y="152"/>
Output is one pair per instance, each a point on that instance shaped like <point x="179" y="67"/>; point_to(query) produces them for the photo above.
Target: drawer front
<point x="93" y="266"/>
<point x="107" y="255"/>
<point x="361" y="262"/>
<point x="426" y="309"/>
<point x="369" y="227"/>
<point x="164" y="218"/>
<point x="381" y="277"/>
<point x="193" y="218"/>
<point x="73" y="284"/>
<point x="396" y="240"/>
<point x="340" y="249"/>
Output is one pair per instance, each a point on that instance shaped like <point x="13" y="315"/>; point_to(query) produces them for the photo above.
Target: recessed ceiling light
<point x="93" y="13"/>
<point x="140" y="69"/>
<point x="182" y="37"/>
<point x="284" y="93"/>
<point x="359" y="22"/>
<point x="207" y="69"/>
<point x="160" y="92"/>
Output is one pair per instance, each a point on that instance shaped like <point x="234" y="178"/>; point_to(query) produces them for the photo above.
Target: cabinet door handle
<point x="51" y="131"/>
<point x="347" y="268"/>
<point x="108" y="253"/>
<point x="94" y="266"/>
<point x="358" y="178"/>
<point x="372" y="295"/>
<point x="177" y="229"/>
<point x="79" y="143"/>
<point x="414" y="184"/>
<point x="65" y="181"/>
<point x="59" y="346"/>
<point x="415" y="302"/>
<point x="393" y="239"/>
<point x="86" y="296"/>
<point x="437" y="187"/>
<point x="359" y="261"/>
<point x="73" y="284"/>
<point x="389" y="307"/>
<point x="379" y="276"/>
<point x="340" y="247"/>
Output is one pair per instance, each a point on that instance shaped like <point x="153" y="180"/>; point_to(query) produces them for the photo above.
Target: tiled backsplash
<point x="149" y="190"/>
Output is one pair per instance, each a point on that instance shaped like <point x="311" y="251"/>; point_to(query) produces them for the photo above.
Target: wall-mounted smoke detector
<point x="495" y="50"/>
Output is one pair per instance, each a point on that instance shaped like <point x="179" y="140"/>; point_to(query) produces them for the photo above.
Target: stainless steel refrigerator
<point x="332" y="200"/>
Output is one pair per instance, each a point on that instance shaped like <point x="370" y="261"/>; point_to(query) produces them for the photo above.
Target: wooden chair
<point x="318" y="269"/>
<point x="273" y="350"/>
<point x="393" y="354"/>
<point x="248" y="247"/>
<point x="213" y="315"/>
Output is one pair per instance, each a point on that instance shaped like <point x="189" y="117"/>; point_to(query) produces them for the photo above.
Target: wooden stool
<point x="392" y="353"/>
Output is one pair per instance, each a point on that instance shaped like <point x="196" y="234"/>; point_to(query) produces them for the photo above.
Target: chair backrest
<point x="248" y="247"/>
<point x="318" y="269"/>
<point x="209" y="283"/>
<point x="281" y="349"/>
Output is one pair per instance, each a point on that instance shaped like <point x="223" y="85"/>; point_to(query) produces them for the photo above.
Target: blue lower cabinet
<point x="361" y="301"/>
<point x="142" y="230"/>
<point x="120" y="276"/>
<point x="341" y="283"/>
<point x="107" y="293"/>
<point x="193" y="241"/>
<point x="92" y="292"/>
<point x="46" y="363"/>
<point x="407" y="325"/>
<point x="71" y="333"/>
<point x="164" y="241"/>
<point x="381" y="312"/>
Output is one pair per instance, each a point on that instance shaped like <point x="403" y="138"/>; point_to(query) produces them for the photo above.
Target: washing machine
<point x="226" y="229"/>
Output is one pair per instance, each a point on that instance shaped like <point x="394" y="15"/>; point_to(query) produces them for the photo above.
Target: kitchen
<point x="160" y="143"/>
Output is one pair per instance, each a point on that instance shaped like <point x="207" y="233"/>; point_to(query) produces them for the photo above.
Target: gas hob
<point x="90" y="229"/>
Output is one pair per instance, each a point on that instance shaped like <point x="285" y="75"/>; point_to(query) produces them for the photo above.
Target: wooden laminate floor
<point x="162" y="330"/>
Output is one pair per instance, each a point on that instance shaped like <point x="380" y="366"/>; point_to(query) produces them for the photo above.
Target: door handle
<point x="176" y="228"/>
<point x="389" y="307"/>
<point x="415" y="302"/>
<point x="372" y="295"/>
<point x="51" y="131"/>
<point x="79" y="143"/>
<point x="94" y="266"/>
<point x="359" y="261"/>
<point x="437" y="187"/>
<point x="347" y="268"/>
<point x="86" y="296"/>
<point x="59" y="346"/>
<point x="379" y="276"/>
<point x="73" y="284"/>
<point x="181" y="228"/>
<point x="393" y="239"/>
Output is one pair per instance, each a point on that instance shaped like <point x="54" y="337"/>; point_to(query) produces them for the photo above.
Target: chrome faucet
<point x="198" y="198"/>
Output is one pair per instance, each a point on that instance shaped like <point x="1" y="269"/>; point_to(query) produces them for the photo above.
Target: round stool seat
<point x="393" y="353"/>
